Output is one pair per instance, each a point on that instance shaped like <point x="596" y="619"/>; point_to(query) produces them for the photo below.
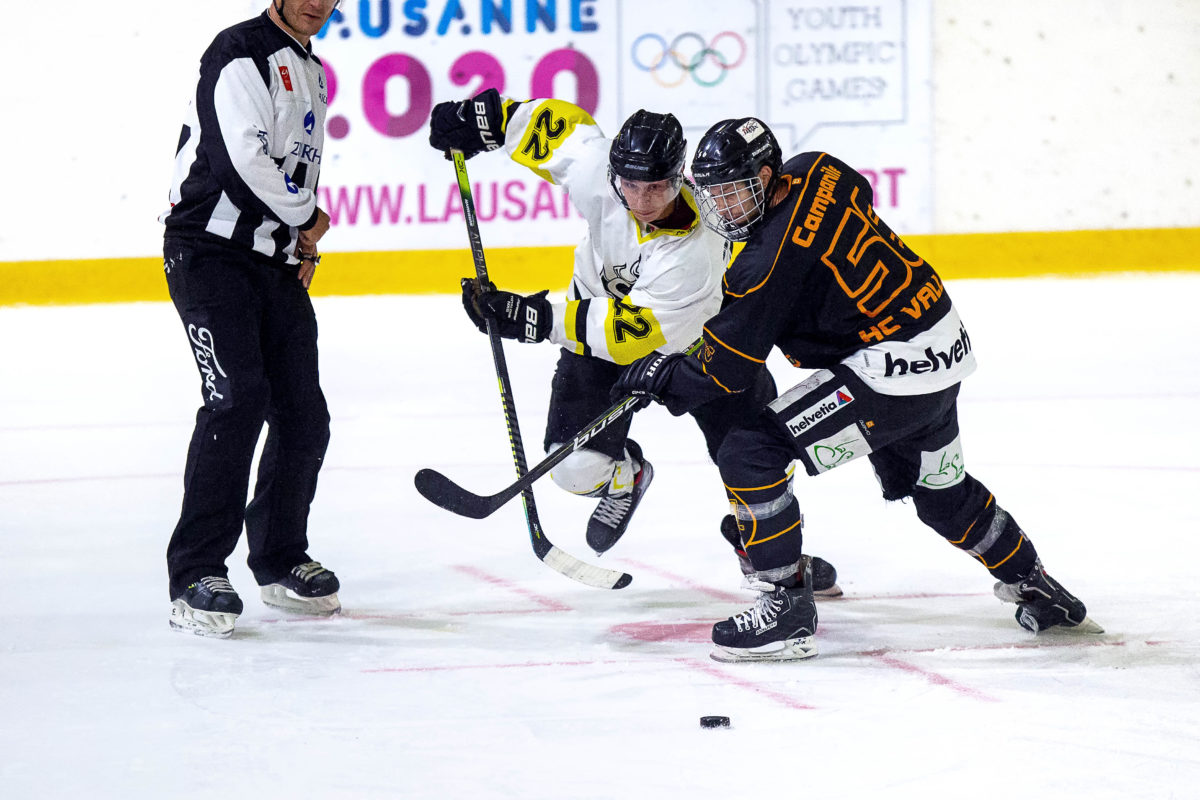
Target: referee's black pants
<point x="252" y="331"/>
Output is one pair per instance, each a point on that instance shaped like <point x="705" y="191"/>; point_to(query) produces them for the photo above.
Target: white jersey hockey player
<point x="647" y="273"/>
<point x="646" y="277"/>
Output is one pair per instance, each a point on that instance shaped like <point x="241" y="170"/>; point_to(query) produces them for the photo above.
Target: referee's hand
<point x="308" y="267"/>
<point x="306" y="250"/>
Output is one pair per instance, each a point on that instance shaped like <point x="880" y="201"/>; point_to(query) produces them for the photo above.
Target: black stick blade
<point x="441" y="491"/>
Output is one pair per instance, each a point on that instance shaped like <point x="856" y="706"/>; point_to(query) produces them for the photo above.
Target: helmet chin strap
<point x="773" y="184"/>
<point x="277" y="5"/>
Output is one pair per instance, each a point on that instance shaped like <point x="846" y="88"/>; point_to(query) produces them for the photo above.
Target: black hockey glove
<point x="472" y="125"/>
<point x="647" y="378"/>
<point x="524" y="318"/>
<point x="471" y="291"/>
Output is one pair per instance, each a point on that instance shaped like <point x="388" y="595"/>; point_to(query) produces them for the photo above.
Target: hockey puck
<point x="714" y="722"/>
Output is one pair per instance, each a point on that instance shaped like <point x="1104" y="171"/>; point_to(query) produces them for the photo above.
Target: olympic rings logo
<point x="666" y="58"/>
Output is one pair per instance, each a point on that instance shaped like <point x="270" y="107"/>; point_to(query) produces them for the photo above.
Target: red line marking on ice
<point x="694" y="631"/>
<point x="889" y="658"/>
<point x="912" y="596"/>
<point x="940" y="680"/>
<point x="757" y="688"/>
<point x="1041" y="644"/>
<point x="688" y="582"/>
<point x="548" y="603"/>
<point x="738" y="598"/>
<point x="416" y="617"/>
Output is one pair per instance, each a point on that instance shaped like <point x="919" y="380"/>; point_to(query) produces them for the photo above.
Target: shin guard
<point x="771" y="528"/>
<point x="968" y="517"/>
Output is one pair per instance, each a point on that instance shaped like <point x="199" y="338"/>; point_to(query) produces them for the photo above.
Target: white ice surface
<point x="464" y="668"/>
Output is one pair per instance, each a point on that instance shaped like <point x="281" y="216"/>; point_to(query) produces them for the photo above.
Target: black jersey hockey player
<point x="825" y="280"/>
<point x="646" y="276"/>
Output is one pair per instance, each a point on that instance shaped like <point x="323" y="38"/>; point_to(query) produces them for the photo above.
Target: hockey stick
<point x="441" y="491"/>
<point x="555" y="558"/>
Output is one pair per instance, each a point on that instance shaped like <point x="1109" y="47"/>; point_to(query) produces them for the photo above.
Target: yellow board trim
<point x="529" y="269"/>
<point x="1076" y="254"/>
<point x="126" y="280"/>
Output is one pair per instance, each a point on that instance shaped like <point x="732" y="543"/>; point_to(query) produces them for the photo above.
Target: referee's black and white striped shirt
<point x="249" y="156"/>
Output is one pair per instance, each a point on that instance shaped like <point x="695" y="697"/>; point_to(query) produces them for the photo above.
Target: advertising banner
<point x="852" y="80"/>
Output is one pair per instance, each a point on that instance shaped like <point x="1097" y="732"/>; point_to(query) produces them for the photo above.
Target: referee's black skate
<point x="611" y="517"/>
<point x="308" y="589"/>
<point x="1043" y="603"/>
<point x="824" y="574"/>
<point x="207" y="607"/>
<point x="780" y="626"/>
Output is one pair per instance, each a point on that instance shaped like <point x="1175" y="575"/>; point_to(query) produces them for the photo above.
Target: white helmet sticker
<point x="751" y="129"/>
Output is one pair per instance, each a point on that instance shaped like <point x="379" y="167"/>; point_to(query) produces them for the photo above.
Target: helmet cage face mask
<point x="733" y="208"/>
<point x="727" y="168"/>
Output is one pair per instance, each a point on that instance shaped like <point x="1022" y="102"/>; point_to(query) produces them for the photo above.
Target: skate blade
<point x="790" y="650"/>
<point x="284" y="599"/>
<point x="1088" y="626"/>
<point x="829" y="592"/>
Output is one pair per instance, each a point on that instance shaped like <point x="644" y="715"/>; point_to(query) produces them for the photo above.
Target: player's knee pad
<point x="754" y="456"/>
<point x="585" y="472"/>
<point x="902" y="472"/>
<point x="948" y="511"/>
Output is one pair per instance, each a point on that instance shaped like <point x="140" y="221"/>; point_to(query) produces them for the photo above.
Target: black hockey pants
<point x="912" y="442"/>
<point x="253" y="334"/>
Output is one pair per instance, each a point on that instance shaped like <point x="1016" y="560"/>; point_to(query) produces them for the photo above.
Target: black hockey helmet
<point x="727" y="162"/>
<point x="650" y="147"/>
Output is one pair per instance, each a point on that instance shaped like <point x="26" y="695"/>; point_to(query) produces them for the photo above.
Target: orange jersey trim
<point x="709" y="335"/>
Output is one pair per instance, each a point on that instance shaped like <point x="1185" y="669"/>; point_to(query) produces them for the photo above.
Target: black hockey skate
<point x="208" y="607"/>
<point x="1043" y="603"/>
<point x="611" y="517"/>
<point x="308" y="589"/>
<point x="780" y="626"/>
<point x="824" y="574"/>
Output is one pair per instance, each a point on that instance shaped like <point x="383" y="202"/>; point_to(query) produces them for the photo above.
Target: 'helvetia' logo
<point x="819" y="411"/>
